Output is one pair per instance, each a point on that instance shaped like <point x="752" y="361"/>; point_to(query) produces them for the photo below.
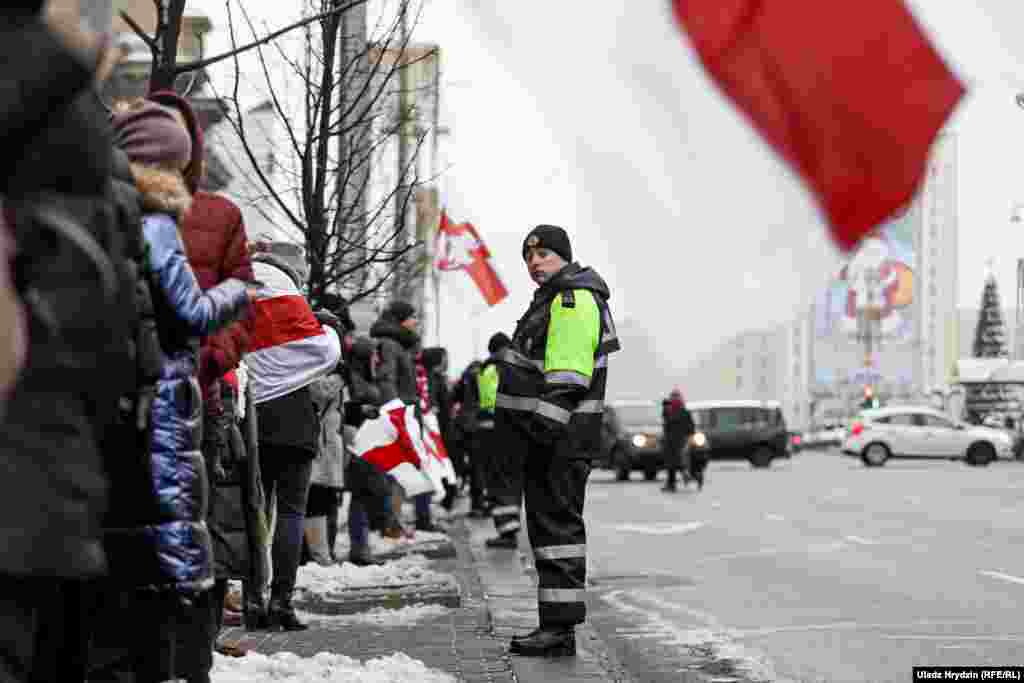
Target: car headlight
<point x="699" y="440"/>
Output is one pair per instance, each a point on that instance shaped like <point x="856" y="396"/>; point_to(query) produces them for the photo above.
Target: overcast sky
<point x="596" y="116"/>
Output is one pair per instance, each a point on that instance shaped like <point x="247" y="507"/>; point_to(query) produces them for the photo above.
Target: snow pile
<point x="378" y="616"/>
<point x="411" y="569"/>
<point x="324" y="667"/>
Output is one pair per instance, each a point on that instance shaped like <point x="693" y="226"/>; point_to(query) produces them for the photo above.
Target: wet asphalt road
<point x="817" y="569"/>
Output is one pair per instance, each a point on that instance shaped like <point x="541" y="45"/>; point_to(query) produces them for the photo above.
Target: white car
<point x="921" y="432"/>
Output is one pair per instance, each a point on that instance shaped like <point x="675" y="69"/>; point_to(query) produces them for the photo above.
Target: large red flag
<point x="850" y="93"/>
<point x="459" y="247"/>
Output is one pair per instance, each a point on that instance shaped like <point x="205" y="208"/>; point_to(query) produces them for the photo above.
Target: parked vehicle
<point x="740" y="430"/>
<point x="632" y="438"/>
<point x="825" y="436"/>
<point x="923" y="432"/>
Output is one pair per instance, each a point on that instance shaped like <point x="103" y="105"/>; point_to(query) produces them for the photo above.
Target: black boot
<point x="361" y="556"/>
<point x="254" y="610"/>
<point x="503" y="541"/>
<point x="558" y="641"/>
<point x="281" y="614"/>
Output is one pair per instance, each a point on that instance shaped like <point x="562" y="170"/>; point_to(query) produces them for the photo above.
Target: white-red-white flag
<point x="459" y="248"/>
<point x="289" y="348"/>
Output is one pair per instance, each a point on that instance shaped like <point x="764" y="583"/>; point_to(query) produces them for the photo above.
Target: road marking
<point x="992" y="639"/>
<point x="1002" y="577"/>
<point x="772" y="517"/>
<point x="660" y="528"/>
<point x="860" y="540"/>
<point x="738" y="555"/>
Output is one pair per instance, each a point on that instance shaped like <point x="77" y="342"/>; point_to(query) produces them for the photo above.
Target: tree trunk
<point x="98" y="14"/>
<point x="169" y="13"/>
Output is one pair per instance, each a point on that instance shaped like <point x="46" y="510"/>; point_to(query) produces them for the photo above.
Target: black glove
<point x="370" y="412"/>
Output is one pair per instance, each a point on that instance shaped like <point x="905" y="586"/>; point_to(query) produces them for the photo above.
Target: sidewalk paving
<point x="460" y="626"/>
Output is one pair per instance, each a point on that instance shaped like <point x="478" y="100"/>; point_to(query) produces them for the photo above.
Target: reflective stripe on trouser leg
<point x="554" y="488"/>
<point x="506" y="445"/>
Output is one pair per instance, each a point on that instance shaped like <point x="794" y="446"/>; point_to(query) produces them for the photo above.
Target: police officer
<point x="505" y="470"/>
<point x="549" y="408"/>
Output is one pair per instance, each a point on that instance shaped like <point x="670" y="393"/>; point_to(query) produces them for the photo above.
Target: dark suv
<point x="740" y="430"/>
<point x="632" y="438"/>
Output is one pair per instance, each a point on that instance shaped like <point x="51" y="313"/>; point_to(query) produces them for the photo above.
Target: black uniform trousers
<point x="506" y="454"/>
<point x="554" y="489"/>
<point x="479" y="463"/>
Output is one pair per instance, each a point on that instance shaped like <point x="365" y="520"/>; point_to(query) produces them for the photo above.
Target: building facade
<point x="889" y="320"/>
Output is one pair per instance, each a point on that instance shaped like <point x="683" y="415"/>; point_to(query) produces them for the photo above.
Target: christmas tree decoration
<point x="991" y="401"/>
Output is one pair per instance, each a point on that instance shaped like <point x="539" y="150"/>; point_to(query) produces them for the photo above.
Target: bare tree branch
<point x="140" y="32"/>
<point x="234" y="52"/>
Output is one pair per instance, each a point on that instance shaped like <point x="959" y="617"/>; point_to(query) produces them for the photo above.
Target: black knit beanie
<point x="498" y="342"/>
<point x="400" y="311"/>
<point x="549" y="237"/>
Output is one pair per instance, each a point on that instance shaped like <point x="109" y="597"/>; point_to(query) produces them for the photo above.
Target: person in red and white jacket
<point x="288" y="351"/>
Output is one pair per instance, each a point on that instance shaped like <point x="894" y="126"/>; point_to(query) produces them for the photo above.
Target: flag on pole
<point x="459" y="247"/>
<point x="851" y="94"/>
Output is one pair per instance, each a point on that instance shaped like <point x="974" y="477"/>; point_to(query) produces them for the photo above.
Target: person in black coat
<point x="678" y="428"/>
<point x="396" y="334"/>
<point x="55" y="180"/>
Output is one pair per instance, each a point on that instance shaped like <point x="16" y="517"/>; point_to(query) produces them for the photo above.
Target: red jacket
<point x="215" y="242"/>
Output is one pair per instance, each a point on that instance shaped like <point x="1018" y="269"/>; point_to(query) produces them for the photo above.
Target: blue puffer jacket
<point x="164" y="538"/>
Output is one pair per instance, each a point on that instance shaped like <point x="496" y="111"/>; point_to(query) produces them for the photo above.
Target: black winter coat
<point x="55" y="178"/>
<point x="236" y="496"/>
<point x="678" y="425"/>
<point x="396" y="375"/>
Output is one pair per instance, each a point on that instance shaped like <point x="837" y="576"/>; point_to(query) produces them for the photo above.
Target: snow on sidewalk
<point x="344" y="578"/>
<point x="325" y="582"/>
<point x="410" y="615"/>
<point x="323" y="668"/>
<point x="380" y="545"/>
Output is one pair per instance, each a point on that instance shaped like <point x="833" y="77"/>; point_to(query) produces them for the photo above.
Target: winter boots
<point x="315" y="530"/>
<point x="281" y="615"/>
<point x="548" y="641"/>
<point x="254" y="608"/>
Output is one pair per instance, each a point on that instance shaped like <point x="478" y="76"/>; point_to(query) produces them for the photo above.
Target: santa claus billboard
<point x="873" y="295"/>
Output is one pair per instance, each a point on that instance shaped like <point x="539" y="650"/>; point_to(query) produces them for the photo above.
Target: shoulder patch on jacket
<point x="568" y="299"/>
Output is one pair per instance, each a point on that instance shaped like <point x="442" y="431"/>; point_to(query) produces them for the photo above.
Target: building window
<point x="739" y="383"/>
<point x="739" y="361"/>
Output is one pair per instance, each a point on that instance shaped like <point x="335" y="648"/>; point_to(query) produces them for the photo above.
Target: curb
<point x="510" y="585"/>
<point x="365" y="598"/>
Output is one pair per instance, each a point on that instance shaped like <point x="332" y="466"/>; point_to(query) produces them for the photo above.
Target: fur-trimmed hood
<point x="162" y="191"/>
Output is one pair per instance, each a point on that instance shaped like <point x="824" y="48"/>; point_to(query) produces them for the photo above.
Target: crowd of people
<point x="179" y="412"/>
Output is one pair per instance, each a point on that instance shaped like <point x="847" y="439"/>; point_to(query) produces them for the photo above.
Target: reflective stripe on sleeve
<point x="513" y="357"/>
<point x="601" y="362"/>
<point x="589" y="407"/>
<point x="553" y="412"/>
<point x="504" y="510"/>
<point x="561" y="595"/>
<point x="522" y="403"/>
<point x="560" y="552"/>
<point x="567" y="377"/>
